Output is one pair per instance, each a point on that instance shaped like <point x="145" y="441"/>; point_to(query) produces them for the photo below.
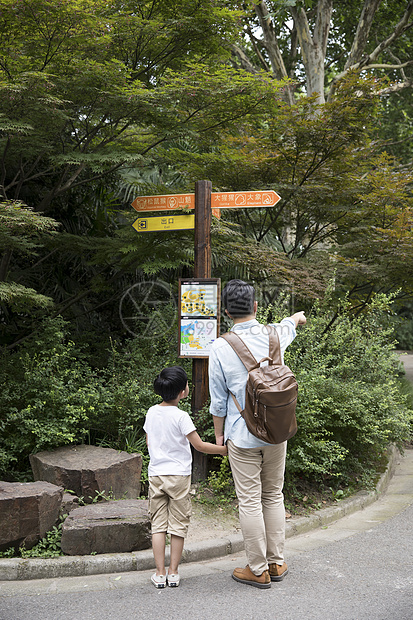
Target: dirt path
<point x="208" y="522"/>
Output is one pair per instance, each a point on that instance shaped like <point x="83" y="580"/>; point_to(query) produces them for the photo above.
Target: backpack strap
<point x="238" y="406"/>
<point x="247" y="357"/>
<point x="241" y="350"/>
<point x="275" y="347"/>
<point x="245" y="354"/>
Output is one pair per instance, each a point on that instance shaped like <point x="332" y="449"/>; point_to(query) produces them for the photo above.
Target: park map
<point x="199" y="310"/>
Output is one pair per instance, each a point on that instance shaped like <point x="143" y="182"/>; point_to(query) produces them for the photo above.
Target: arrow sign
<point x="169" y="222"/>
<point x="243" y="200"/>
<point x="219" y="200"/>
<point x="164" y="203"/>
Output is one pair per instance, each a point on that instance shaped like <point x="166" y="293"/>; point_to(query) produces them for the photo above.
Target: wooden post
<point x="202" y="269"/>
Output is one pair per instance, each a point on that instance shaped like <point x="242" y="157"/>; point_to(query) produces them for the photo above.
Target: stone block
<point x="107" y="527"/>
<point x="88" y="470"/>
<point x="27" y="511"/>
<point x="69" y="503"/>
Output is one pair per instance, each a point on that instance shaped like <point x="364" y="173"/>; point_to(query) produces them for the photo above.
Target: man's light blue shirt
<point x="228" y="374"/>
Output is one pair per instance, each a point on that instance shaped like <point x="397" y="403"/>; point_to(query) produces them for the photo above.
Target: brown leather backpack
<point x="271" y="391"/>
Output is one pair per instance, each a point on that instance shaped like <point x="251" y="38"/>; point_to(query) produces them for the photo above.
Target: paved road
<point x="407" y="360"/>
<point x="359" y="568"/>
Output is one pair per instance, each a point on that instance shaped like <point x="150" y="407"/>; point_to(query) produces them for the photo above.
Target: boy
<point x="169" y="431"/>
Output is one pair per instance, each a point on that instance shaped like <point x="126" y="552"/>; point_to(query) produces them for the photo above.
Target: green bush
<point x="352" y="402"/>
<point x="47" y="547"/>
<point x="350" y="405"/>
<point x="51" y="396"/>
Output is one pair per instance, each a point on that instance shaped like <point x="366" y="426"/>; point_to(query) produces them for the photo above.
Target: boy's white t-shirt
<point x="169" y="448"/>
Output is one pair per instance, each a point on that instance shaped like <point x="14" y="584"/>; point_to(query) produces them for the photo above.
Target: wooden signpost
<point x="205" y="203"/>
<point x="202" y="269"/>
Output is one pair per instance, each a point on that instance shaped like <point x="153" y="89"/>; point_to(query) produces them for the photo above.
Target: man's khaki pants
<point x="258" y="475"/>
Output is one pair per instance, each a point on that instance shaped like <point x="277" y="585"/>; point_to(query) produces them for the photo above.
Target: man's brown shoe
<point x="277" y="572"/>
<point x="245" y="575"/>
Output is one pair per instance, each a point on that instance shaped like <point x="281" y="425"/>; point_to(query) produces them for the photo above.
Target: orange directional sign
<point x="219" y="200"/>
<point x="167" y="202"/>
<point x="164" y="203"/>
<point x="231" y="200"/>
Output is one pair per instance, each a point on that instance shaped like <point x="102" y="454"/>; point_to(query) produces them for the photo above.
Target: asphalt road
<point x="365" y="575"/>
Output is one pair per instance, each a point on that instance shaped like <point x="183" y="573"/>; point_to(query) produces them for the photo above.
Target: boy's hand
<point x="224" y="451"/>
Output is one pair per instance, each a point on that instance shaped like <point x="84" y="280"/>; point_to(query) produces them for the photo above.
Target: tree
<point x="88" y="89"/>
<point x="79" y="89"/>
<point x="21" y="231"/>
<point x="344" y="202"/>
<point x="376" y="253"/>
<point x="316" y="43"/>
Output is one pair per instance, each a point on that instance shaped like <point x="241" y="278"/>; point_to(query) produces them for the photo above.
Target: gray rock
<point x="88" y="470"/>
<point x="27" y="511"/>
<point x="69" y="503"/>
<point x="107" y="527"/>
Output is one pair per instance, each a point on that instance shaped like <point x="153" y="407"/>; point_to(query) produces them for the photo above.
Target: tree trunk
<point x="4" y="264"/>
<point x="271" y="45"/>
<point x="363" y="30"/>
<point x="313" y="47"/>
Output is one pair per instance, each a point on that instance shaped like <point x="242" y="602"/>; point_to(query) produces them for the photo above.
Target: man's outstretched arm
<point x="299" y="318"/>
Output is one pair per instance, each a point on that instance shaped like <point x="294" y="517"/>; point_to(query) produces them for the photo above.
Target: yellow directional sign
<point x="170" y="222"/>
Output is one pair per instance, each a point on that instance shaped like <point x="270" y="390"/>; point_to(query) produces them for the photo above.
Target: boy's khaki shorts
<point x="170" y="504"/>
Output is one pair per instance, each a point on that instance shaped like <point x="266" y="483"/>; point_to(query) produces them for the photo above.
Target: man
<point x="257" y="467"/>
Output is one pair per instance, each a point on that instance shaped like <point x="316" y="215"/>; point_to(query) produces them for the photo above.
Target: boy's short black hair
<point x="170" y="382"/>
<point x="238" y="298"/>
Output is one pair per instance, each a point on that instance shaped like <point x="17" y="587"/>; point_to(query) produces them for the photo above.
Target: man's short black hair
<point x="238" y="299"/>
<point x="170" y="382"/>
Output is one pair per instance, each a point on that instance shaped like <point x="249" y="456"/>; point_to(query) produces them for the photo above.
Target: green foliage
<point x="88" y="90"/>
<point x="86" y="87"/>
<point x="312" y="155"/>
<point x="48" y="547"/>
<point x="20" y="298"/>
<point x="219" y="488"/>
<point x="51" y="395"/>
<point x="350" y="405"/>
<point x="21" y="232"/>
<point x="20" y="227"/>
<point x="221" y="483"/>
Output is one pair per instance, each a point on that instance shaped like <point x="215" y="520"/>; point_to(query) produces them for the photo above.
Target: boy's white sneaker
<point x="173" y="580"/>
<point x="159" y="581"/>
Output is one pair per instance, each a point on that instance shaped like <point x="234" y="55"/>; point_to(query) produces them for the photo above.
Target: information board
<point x="199" y="314"/>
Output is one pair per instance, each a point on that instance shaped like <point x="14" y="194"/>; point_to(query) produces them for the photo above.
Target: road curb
<point x="15" y="569"/>
<point x="344" y="507"/>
